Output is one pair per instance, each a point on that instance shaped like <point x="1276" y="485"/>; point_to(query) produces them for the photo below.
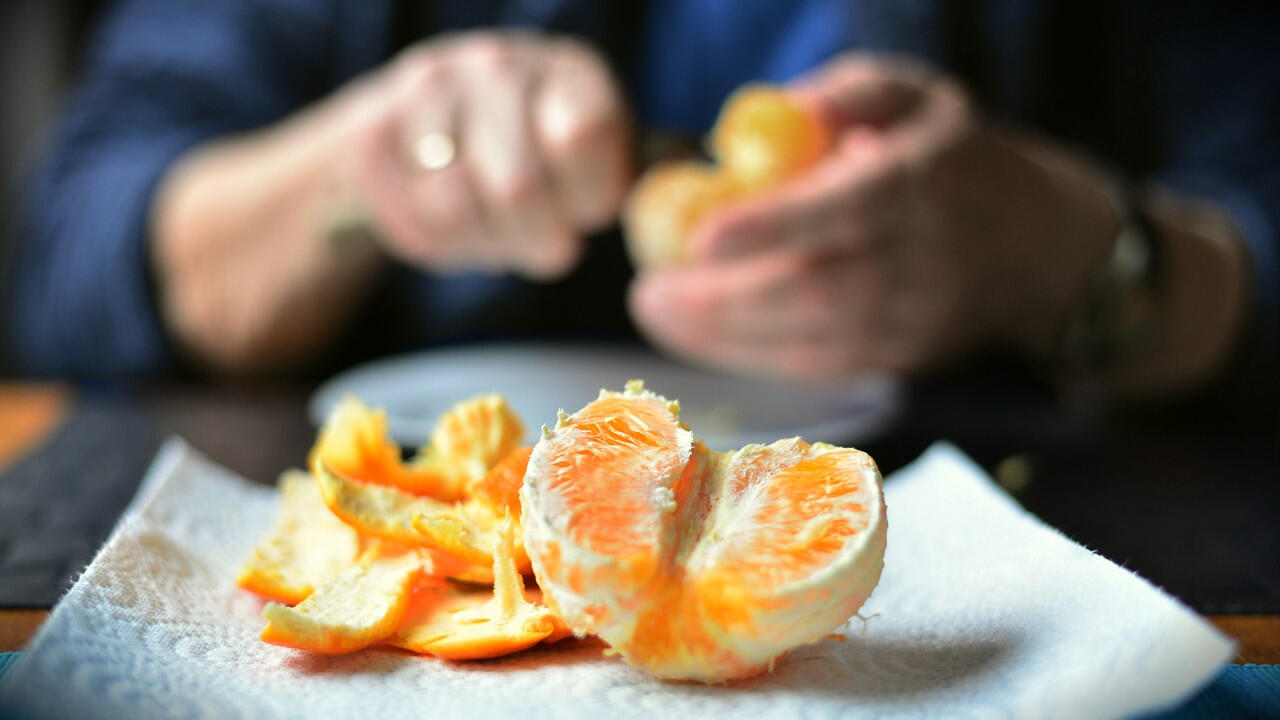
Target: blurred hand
<point x="922" y="236"/>
<point x="541" y="152"/>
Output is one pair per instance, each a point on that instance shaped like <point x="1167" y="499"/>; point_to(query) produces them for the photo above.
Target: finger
<point x="583" y="133"/>
<point x="501" y="155"/>
<point x="810" y="356"/>
<point x="743" y="312"/>
<point x="841" y="204"/>
<point x="441" y="202"/>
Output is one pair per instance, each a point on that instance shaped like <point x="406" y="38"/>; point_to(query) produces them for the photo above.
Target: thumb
<point x="859" y="91"/>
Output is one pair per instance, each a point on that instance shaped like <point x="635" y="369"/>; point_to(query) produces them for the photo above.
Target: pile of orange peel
<point x="688" y="563"/>
<point x="368" y="549"/>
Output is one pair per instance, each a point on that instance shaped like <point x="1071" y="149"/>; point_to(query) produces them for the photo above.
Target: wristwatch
<point x="1115" y="318"/>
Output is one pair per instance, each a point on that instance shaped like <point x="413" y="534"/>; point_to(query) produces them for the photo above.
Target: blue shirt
<point x="1187" y="96"/>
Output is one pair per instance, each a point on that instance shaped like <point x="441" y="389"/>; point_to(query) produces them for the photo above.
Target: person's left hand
<point x="924" y="235"/>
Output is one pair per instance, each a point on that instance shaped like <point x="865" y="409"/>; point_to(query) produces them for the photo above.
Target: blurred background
<point x="41" y="41"/>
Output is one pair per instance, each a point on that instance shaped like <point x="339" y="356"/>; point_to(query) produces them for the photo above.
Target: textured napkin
<point x="982" y="611"/>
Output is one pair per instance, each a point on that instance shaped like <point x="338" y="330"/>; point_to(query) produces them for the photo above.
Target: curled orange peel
<point x="305" y="548"/>
<point x="468" y="439"/>
<point x="466" y="530"/>
<point x="363" y="605"/>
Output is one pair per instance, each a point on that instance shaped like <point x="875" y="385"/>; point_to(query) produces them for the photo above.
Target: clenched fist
<point x="528" y="150"/>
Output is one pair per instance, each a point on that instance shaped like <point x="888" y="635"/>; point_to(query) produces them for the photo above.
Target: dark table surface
<point x="1192" y="506"/>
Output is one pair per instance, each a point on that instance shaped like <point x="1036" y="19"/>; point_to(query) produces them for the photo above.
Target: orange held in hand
<point x="761" y="138"/>
<point x="694" y="564"/>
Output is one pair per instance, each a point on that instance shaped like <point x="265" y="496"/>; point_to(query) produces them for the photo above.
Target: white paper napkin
<point x="982" y="611"/>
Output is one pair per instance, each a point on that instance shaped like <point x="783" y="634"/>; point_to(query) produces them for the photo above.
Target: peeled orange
<point x="761" y="138"/>
<point x="667" y="204"/>
<point x="694" y="564"/>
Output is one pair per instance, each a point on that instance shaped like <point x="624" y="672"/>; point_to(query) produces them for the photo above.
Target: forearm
<point x="250" y="274"/>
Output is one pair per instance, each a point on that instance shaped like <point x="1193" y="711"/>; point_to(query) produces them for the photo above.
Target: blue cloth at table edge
<point x="1239" y="691"/>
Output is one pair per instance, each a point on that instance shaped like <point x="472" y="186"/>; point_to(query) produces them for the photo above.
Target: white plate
<point x="540" y="379"/>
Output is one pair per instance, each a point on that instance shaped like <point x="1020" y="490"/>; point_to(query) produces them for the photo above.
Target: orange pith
<point x="359" y="607"/>
<point x="467" y="625"/>
<point x="694" y="564"/>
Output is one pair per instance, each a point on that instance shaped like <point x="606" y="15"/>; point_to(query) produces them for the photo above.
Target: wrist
<point x="1079" y="220"/>
<point x="1112" y="318"/>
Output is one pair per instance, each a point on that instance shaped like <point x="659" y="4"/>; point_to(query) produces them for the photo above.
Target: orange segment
<point x="614" y="465"/>
<point x="307" y="546"/>
<point x="603" y="487"/>
<point x="359" y="607"/>
<point x="804" y="514"/>
<point x="763" y="137"/>
<point x="693" y="564"/>
<point x="461" y="625"/>
<point x="468" y="439"/>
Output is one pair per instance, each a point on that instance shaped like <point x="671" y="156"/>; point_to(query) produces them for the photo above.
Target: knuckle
<point x="817" y="300"/>
<point x="448" y="222"/>
<point x="487" y="52"/>
<point x="556" y="254"/>
<point x="701" y="304"/>
<point x="579" y="129"/>
<point x="518" y="188"/>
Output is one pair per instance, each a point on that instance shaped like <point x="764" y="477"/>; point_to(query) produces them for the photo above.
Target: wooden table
<point x="30" y="411"/>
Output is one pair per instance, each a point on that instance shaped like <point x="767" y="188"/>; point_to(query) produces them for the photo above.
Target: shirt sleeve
<point x="159" y="77"/>
<point x="1218" y="90"/>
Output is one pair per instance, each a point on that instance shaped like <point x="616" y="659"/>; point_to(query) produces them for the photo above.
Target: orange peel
<point x="466" y="530"/>
<point x="460" y="625"/>
<point x="363" y="605"/>
<point x="693" y="564"/>
<point x="468" y="439"/>
<point x="305" y="548"/>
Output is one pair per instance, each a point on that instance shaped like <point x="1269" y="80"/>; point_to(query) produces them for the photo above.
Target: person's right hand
<point x="542" y="152"/>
